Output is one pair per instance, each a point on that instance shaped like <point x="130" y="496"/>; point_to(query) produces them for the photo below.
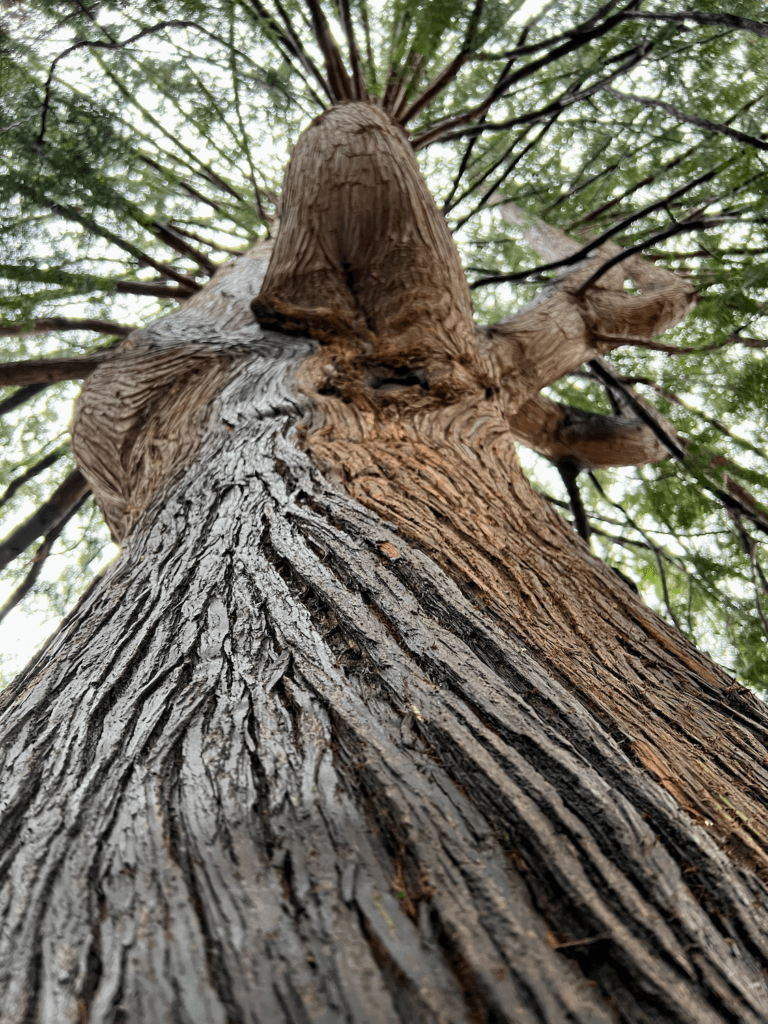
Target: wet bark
<point x="355" y="729"/>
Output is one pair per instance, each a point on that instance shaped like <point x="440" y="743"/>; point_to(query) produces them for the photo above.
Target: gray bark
<point x="276" y="767"/>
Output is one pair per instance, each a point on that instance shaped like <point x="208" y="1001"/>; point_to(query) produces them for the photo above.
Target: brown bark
<point x="356" y="729"/>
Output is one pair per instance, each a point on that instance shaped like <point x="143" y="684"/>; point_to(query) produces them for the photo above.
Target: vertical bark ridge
<point x="299" y="776"/>
<point x="451" y="482"/>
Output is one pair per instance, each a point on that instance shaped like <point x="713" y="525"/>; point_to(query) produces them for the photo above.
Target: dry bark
<point x="355" y="729"/>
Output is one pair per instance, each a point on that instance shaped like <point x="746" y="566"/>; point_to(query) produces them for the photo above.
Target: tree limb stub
<point x="589" y="440"/>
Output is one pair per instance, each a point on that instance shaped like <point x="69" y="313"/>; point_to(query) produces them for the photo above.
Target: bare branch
<point x="48" y="325"/>
<point x="168" y="234"/>
<point x="292" y="42"/>
<point x="566" y="99"/>
<point x="354" y="54"/>
<point x="687" y="227"/>
<point x="39" y="558"/>
<point x="110" y="44"/>
<point x="18" y="398"/>
<point x="693" y="119"/>
<point x="71" y="213"/>
<point x="574" y="40"/>
<point x="757" y="28"/>
<point x="605" y="373"/>
<point x="484" y="198"/>
<point x="577" y="253"/>
<point x="338" y="78"/>
<point x="48" y="371"/>
<point x="658" y="554"/>
<point x="446" y="76"/>
<point x="157" y="289"/>
<point x="32" y="472"/>
<point x="46" y="518"/>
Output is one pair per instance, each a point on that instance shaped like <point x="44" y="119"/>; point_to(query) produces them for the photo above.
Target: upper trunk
<point x="356" y="729"/>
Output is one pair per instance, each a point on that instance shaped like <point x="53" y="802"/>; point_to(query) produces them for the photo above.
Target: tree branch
<point x="39" y="558"/>
<point x="32" y="472"/>
<point x="757" y="28"/>
<point x="358" y="80"/>
<point x="686" y="227"/>
<point x="693" y="119"/>
<point x="338" y="78"/>
<point x="577" y="253"/>
<point x="48" y="371"/>
<point x="46" y="518"/>
<point x="575" y="39"/>
<point x="447" y="75"/>
<point x="18" y="398"/>
<point x="48" y="325"/>
<point x="603" y="372"/>
<point x="587" y="440"/>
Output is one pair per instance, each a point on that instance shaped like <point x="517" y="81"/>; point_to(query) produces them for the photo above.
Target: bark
<point x="355" y="729"/>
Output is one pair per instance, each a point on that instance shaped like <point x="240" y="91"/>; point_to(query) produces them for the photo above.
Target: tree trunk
<point x="356" y="729"/>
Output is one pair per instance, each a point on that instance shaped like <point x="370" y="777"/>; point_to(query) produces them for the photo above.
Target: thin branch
<point x="447" y="205"/>
<point x="657" y="552"/>
<point x="757" y="28"/>
<point x="209" y="241"/>
<point x="106" y="45"/>
<point x="32" y="472"/>
<point x="358" y="80"/>
<point x="566" y="99"/>
<point x="39" y="558"/>
<point x="368" y="45"/>
<point x="48" y="371"/>
<point x="71" y="213"/>
<point x="167" y="233"/>
<point x="508" y="170"/>
<point x="673" y="350"/>
<point x="616" y="229"/>
<point x="292" y="42"/>
<point x="606" y="375"/>
<point x="693" y="119"/>
<point x="718" y="425"/>
<point x="574" y="41"/>
<point x="479" y="181"/>
<point x="46" y="518"/>
<point x="676" y="229"/>
<point x="447" y="75"/>
<point x="338" y="78"/>
<point x="20" y="397"/>
<point x="47" y="325"/>
<point x="156" y="289"/>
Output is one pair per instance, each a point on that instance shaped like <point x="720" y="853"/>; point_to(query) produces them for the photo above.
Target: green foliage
<point x="107" y="137"/>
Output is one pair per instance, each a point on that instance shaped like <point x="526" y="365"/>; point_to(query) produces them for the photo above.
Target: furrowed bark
<point x="355" y="729"/>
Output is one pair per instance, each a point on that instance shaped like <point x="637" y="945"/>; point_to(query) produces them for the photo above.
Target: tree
<point x="357" y="728"/>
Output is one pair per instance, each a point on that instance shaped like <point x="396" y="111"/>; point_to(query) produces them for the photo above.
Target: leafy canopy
<point x="143" y="145"/>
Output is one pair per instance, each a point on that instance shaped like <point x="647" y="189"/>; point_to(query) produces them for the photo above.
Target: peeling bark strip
<point x="355" y="730"/>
